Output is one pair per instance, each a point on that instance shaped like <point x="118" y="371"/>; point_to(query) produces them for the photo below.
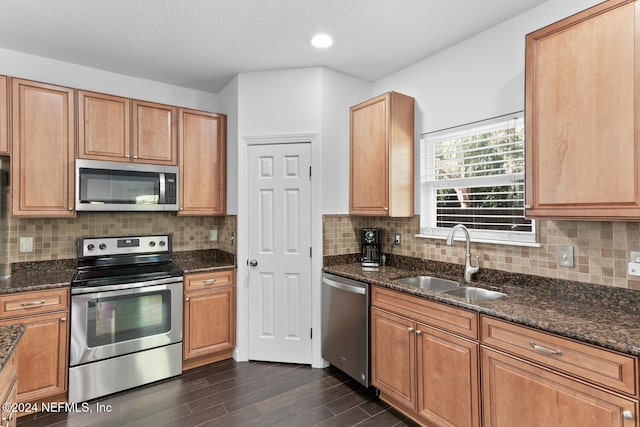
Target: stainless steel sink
<point x="471" y="293"/>
<point x="429" y="283"/>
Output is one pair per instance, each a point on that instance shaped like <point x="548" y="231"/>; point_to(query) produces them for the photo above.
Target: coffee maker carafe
<point x="371" y="252"/>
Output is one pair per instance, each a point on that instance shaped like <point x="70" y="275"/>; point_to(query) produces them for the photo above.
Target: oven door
<point x="110" y="323"/>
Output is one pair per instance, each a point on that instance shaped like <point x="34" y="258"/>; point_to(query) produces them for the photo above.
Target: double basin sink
<point x="452" y="288"/>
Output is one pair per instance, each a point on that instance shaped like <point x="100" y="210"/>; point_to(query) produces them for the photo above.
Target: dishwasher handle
<point x="344" y="287"/>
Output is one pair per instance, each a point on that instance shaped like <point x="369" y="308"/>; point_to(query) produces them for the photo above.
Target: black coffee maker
<point x="371" y="251"/>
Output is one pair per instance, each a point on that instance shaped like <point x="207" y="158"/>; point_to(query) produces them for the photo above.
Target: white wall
<point x="339" y="92"/>
<point x="31" y="67"/>
<point x="479" y="78"/>
<point x="229" y="106"/>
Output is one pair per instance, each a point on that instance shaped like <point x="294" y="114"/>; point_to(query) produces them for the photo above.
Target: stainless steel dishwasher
<point x="345" y="326"/>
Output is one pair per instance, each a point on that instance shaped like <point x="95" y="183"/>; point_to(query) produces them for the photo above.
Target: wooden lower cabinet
<point x="42" y="356"/>
<point x="430" y="373"/>
<point x="42" y="353"/>
<point x="209" y="318"/>
<point x="518" y="393"/>
<point x="9" y="391"/>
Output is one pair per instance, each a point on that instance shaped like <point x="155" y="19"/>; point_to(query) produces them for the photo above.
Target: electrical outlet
<point x="26" y="244"/>
<point x="565" y="256"/>
<point x="635" y="256"/>
<point x="397" y="239"/>
<point x="213" y="235"/>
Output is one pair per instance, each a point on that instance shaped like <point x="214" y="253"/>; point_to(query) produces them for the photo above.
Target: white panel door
<point x="279" y="246"/>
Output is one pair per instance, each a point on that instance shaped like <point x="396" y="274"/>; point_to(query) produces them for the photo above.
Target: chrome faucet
<point x="469" y="269"/>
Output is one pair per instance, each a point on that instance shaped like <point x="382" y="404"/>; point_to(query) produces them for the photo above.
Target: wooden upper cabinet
<point x="43" y="150"/>
<point x="202" y="147"/>
<point x="119" y="129"/>
<point x="4" y="115"/>
<point x="583" y="115"/>
<point x="154" y="138"/>
<point x="103" y="127"/>
<point x="382" y="146"/>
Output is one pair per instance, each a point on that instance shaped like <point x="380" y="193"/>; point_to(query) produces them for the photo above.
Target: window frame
<point x="428" y="191"/>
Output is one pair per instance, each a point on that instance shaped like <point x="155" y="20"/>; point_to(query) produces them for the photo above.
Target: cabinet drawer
<point x="26" y="303"/>
<point x="597" y="365"/>
<point x="209" y="279"/>
<point x="436" y="314"/>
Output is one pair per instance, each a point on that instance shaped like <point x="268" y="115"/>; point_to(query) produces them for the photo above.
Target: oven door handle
<point x="105" y="288"/>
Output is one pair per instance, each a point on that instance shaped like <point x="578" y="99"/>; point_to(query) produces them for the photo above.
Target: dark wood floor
<point x="237" y="394"/>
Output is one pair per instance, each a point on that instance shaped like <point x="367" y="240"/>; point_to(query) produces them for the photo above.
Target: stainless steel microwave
<point x="118" y="186"/>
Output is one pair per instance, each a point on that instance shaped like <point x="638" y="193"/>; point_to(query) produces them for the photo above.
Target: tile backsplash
<point x="601" y="249"/>
<point x="56" y="238"/>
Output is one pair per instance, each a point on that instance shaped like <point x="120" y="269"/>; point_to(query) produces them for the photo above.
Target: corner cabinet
<point x="4" y="115"/>
<point x="583" y="115"/>
<point x="209" y="317"/>
<point x="419" y="364"/>
<point x="9" y="391"/>
<point x="42" y="150"/>
<point x="382" y="152"/>
<point x="202" y="144"/>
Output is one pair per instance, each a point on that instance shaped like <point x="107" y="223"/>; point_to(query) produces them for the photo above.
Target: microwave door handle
<point x="162" y="188"/>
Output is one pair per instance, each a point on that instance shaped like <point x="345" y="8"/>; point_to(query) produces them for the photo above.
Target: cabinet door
<point x="448" y="386"/>
<point x="369" y="192"/>
<point x="42" y="356"/>
<point x="154" y="133"/>
<point x="520" y="394"/>
<point x="209" y="322"/>
<point x="4" y="115"/>
<point x="582" y="115"/>
<point x="103" y="127"/>
<point x="393" y="360"/>
<point x="202" y="152"/>
<point x="43" y="150"/>
<point x="8" y="391"/>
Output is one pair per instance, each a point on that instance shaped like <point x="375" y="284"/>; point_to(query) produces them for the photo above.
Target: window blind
<point x="474" y="175"/>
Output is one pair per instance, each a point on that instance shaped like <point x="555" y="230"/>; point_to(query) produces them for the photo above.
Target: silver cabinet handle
<point x="187" y="299"/>
<point x="418" y="332"/>
<point x="527" y="206"/>
<point x="409" y="329"/>
<point x="135" y="157"/>
<point x="63" y="319"/>
<point x="32" y="303"/>
<point x="209" y="281"/>
<point x="545" y="350"/>
<point x="253" y="262"/>
<point x="627" y="415"/>
<point x="385" y="208"/>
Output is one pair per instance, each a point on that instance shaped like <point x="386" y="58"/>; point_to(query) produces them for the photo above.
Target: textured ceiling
<point x="202" y="44"/>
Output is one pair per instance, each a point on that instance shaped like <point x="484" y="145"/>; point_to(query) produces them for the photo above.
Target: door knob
<point x="253" y="262"/>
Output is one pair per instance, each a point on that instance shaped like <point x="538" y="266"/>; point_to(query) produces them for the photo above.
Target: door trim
<point x="242" y="303"/>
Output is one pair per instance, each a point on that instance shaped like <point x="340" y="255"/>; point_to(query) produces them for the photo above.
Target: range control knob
<point x="152" y="243"/>
<point x="90" y="247"/>
<point x="102" y="246"/>
<point x="162" y="243"/>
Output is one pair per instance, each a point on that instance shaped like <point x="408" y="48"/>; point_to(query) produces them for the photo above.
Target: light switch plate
<point x="213" y="235"/>
<point x="26" y="244"/>
<point x="565" y="256"/>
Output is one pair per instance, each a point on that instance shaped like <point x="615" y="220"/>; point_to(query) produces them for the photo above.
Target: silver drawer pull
<point x="209" y="281"/>
<point x="627" y="415"/>
<point x="545" y="350"/>
<point x="32" y="303"/>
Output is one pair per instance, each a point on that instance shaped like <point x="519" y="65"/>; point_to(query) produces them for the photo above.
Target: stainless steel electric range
<point x="126" y="315"/>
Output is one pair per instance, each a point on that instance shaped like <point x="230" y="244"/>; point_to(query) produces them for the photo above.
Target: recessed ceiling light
<point x="322" y="41"/>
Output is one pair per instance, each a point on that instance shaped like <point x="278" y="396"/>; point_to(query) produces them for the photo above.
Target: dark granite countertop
<point x="204" y="260"/>
<point x="9" y="337"/>
<point x="36" y="276"/>
<point x="605" y="316"/>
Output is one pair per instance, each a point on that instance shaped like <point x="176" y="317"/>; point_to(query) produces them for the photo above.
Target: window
<point x="474" y="175"/>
